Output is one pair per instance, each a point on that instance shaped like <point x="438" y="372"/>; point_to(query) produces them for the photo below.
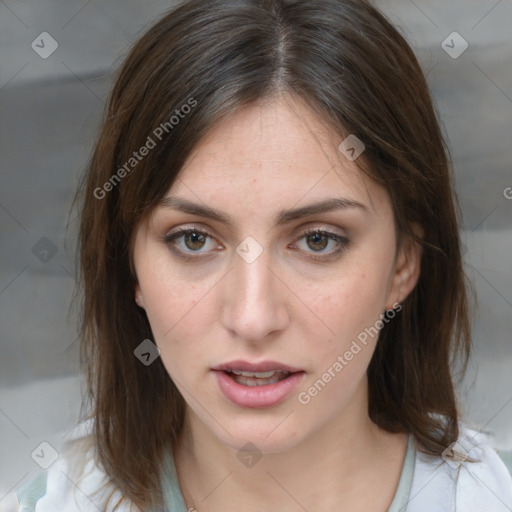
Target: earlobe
<point x="138" y="296"/>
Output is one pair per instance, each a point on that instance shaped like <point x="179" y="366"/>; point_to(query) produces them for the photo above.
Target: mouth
<point x="257" y="385"/>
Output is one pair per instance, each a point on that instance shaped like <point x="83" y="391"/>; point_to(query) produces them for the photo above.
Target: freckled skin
<point x="285" y="306"/>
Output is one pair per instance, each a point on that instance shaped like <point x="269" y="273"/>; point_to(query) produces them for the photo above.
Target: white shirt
<point x="427" y="483"/>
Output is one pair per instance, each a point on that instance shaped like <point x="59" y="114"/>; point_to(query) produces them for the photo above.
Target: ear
<point x="407" y="268"/>
<point x="138" y="296"/>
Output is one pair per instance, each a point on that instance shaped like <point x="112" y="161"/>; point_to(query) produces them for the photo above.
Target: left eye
<point x="318" y="240"/>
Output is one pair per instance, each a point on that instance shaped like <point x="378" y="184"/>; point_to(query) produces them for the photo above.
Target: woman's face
<point x="274" y="281"/>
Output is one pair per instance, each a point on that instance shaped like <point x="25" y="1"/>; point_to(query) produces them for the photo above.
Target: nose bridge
<point x="254" y="306"/>
<point x="253" y="279"/>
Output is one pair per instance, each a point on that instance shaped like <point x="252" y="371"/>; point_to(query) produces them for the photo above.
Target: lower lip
<point x="257" y="397"/>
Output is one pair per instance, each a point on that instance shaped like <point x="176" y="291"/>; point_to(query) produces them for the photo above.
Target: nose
<point x="254" y="300"/>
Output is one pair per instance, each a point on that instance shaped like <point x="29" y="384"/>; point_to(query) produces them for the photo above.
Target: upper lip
<point x="263" y="366"/>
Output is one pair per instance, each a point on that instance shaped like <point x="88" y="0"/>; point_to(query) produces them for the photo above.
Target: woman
<point x="274" y="298"/>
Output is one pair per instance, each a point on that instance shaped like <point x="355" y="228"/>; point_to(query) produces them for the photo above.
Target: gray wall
<point x="49" y="113"/>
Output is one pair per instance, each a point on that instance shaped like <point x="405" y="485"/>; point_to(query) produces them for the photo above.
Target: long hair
<point x="197" y="65"/>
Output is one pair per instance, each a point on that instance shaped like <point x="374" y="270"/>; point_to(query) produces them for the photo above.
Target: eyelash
<point x="171" y="237"/>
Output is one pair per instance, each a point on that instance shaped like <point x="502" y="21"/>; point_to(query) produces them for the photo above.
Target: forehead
<point x="270" y="157"/>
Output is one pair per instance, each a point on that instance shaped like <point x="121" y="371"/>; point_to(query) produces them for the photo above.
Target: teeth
<point x="258" y="375"/>
<point x="253" y="379"/>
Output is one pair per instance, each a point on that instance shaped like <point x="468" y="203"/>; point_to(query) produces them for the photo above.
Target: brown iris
<point x="319" y="240"/>
<point x="197" y="240"/>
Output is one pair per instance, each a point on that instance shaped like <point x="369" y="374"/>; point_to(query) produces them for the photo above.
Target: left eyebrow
<point x="283" y="217"/>
<point x="329" y="205"/>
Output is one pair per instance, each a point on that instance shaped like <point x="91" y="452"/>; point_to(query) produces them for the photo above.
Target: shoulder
<point x="470" y="477"/>
<point x="73" y="483"/>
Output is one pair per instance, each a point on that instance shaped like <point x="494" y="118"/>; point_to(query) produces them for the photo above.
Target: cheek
<point x="168" y="297"/>
<point x="164" y="307"/>
<point x="350" y="304"/>
<point x="350" y="308"/>
<point x="179" y="314"/>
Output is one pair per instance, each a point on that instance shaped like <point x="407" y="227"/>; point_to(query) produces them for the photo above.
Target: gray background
<point x="49" y="113"/>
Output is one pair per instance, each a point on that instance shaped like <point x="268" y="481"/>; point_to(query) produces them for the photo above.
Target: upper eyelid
<point x="178" y="233"/>
<point x="301" y="231"/>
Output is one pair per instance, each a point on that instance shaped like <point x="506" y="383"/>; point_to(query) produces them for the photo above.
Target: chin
<point x="268" y="435"/>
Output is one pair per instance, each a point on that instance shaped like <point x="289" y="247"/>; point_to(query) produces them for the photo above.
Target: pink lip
<point x="257" y="397"/>
<point x="263" y="366"/>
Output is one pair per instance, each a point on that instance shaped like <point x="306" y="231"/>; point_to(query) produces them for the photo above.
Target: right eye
<point x="189" y="241"/>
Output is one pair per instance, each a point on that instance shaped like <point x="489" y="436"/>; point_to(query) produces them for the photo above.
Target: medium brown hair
<point x="360" y="76"/>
